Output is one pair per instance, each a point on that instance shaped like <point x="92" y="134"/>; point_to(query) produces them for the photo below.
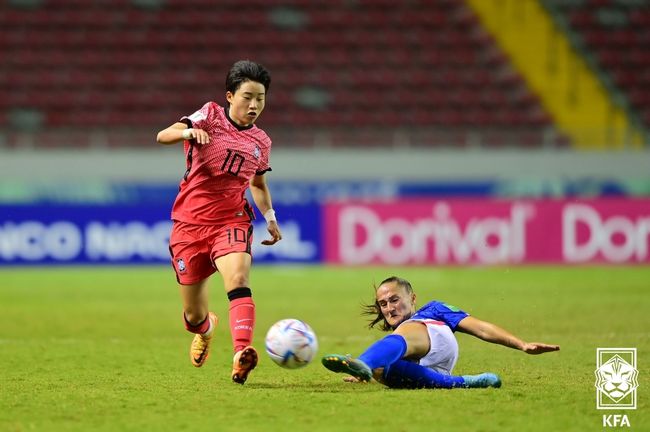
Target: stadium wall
<point x="165" y="164"/>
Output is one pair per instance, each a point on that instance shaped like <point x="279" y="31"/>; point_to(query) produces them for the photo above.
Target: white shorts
<point x="443" y="353"/>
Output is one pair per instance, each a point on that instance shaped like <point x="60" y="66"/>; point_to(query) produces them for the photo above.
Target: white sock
<point x="209" y="332"/>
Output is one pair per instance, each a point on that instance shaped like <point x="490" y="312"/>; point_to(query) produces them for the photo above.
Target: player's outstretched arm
<point x="179" y="132"/>
<point x="492" y="333"/>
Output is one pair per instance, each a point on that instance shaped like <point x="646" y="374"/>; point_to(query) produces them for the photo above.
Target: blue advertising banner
<point x="301" y="242"/>
<point x="39" y="234"/>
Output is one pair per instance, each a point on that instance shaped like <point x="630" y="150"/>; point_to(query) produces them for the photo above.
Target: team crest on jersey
<point x="197" y="116"/>
<point x="256" y="152"/>
<point x="181" y="265"/>
<point x="452" y="307"/>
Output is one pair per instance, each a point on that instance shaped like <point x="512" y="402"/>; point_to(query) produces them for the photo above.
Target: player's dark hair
<point x="246" y="70"/>
<point x="374" y="310"/>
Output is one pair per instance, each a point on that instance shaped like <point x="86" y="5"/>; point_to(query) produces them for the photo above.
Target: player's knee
<point x="417" y="339"/>
<point x="238" y="279"/>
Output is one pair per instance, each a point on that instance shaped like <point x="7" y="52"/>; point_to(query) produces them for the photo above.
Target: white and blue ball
<point x="291" y="343"/>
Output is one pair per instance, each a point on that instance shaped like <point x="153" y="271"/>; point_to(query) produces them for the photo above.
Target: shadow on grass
<point x="318" y="388"/>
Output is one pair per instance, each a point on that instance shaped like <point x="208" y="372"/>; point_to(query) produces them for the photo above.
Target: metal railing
<point x="303" y="137"/>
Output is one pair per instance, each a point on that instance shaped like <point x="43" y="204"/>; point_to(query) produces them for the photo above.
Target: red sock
<point x="200" y="328"/>
<point x="242" y="322"/>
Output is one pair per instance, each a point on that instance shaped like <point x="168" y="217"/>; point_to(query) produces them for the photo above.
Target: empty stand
<point x="342" y="70"/>
<point x="616" y="34"/>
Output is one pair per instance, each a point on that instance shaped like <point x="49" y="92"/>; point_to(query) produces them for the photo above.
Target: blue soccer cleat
<point x="483" y="380"/>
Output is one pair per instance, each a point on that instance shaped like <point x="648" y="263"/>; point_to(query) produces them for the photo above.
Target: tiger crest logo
<point x="616" y="378"/>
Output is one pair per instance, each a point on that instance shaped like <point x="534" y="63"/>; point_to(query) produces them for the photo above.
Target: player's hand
<point x="276" y="235"/>
<point x="199" y="135"/>
<point x="539" y="348"/>
<point x="351" y="379"/>
<point x="377" y="374"/>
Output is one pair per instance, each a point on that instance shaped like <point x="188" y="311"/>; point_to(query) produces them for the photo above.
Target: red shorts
<point x="195" y="247"/>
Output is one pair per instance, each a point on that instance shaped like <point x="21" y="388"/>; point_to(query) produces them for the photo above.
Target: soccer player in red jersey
<point x="226" y="154"/>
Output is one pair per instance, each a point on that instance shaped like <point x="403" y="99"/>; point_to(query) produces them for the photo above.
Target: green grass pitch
<point x="104" y="349"/>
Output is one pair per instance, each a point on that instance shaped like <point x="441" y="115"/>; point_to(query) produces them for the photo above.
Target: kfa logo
<point x="616" y="420"/>
<point x="616" y="383"/>
<point x="616" y="378"/>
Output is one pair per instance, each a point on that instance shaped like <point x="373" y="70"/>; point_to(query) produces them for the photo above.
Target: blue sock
<point x="384" y="352"/>
<point x="404" y="374"/>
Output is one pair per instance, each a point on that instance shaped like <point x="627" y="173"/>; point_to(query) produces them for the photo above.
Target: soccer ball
<point x="291" y="343"/>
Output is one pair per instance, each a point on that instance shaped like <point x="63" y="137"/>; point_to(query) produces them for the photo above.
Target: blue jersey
<point x="435" y="310"/>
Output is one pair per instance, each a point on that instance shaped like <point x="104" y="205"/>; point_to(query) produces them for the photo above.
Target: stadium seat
<point x="370" y="64"/>
<point x="615" y="34"/>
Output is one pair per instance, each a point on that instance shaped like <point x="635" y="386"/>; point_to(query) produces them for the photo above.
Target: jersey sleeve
<point x="264" y="164"/>
<point x="440" y="311"/>
<point x="200" y="118"/>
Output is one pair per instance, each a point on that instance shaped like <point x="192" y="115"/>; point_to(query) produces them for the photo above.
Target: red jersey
<point x="213" y="188"/>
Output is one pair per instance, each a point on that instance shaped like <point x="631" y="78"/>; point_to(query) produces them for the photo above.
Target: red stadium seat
<point x="620" y="47"/>
<point x="381" y="63"/>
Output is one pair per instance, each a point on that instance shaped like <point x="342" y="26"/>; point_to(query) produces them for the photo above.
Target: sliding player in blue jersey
<point x="422" y="350"/>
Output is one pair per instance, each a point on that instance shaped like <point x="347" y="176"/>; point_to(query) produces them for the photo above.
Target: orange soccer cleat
<point x="243" y="362"/>
<point x="200" y="348"/>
